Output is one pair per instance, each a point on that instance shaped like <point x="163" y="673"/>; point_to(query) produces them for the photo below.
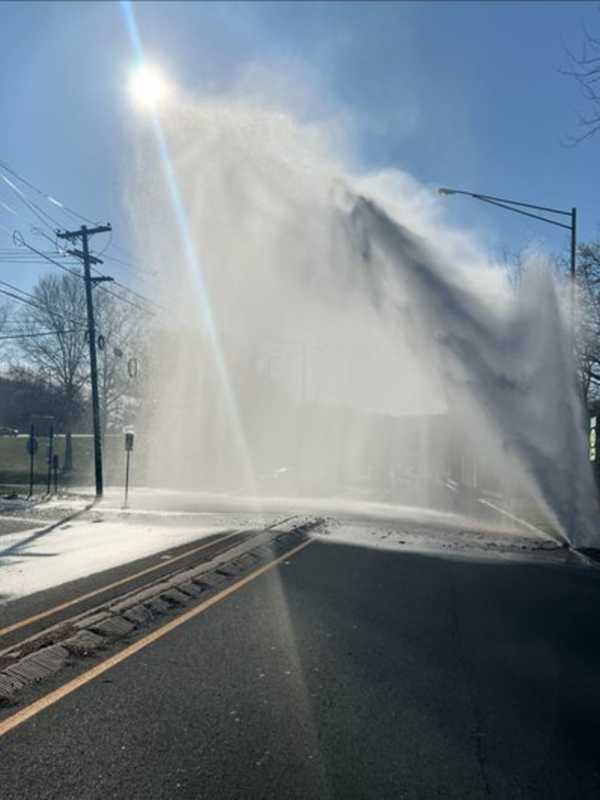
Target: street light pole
<point x="518" y="208"/>
<point x="573" y="268"/>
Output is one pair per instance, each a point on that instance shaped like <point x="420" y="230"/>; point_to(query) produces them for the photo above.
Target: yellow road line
<point x="43" y="614"/>
<point x="56" y="695"/>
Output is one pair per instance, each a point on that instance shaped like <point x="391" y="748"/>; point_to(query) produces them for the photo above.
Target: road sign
<point x="128" y="448"/>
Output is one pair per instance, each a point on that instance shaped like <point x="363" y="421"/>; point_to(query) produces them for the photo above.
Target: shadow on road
<point x="18" y="547"/>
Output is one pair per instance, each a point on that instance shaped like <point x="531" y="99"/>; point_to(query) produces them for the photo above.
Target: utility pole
<point x="84" y="254"/>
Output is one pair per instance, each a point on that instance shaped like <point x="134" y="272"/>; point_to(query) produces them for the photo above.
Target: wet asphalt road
<point x="346" y="673"/>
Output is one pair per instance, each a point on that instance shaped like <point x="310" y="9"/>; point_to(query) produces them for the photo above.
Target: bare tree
<point x="585" y="69"/>
<point x="588" y="322"/>
<point x="121" y="337"/>
<point x="62" y="358"/>
<point x="5" y="314"/>
<point x="55" y="345"/>
<point x="513" y="262"/>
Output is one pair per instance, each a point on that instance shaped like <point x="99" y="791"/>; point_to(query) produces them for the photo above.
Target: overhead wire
<point x="4" y="338"/>
<point x="57" y="204"/>
<point x="79" y="275"/>
<point x="40" y="214"/>
<point x="49" y="198"/>
<point x="31" y="300"/>
<point x="43" y="217"/>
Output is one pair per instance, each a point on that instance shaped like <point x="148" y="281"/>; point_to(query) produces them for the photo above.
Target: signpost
<point x="32" y="446"/>
<point x="55" y="470"/>
<point x="129" y="437"/>
<point x="50" y="456"/>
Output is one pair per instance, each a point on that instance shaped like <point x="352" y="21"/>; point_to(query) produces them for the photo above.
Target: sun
<point x="147" y="86"/>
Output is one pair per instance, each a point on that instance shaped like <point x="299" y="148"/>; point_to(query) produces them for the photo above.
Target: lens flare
<point x="147" y="86"/>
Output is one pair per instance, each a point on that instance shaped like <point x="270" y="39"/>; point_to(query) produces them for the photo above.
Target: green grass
<point x="14" y="461"/>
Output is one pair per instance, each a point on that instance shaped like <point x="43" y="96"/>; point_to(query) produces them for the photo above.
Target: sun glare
<point x="147" y="86"/>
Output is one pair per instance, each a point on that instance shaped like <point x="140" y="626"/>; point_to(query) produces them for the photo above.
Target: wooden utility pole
<point x="84" y="254"/>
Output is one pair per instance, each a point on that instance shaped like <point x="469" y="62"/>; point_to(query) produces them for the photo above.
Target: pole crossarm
<point x="101" y="279"/>
<point x="79" y="254"/>
<point x="90" y="231"/>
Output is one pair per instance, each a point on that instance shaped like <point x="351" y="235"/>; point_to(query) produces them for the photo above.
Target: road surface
<point x="344" y="672"/>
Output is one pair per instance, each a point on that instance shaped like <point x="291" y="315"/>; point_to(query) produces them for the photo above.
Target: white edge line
<point x="517" y="519"/>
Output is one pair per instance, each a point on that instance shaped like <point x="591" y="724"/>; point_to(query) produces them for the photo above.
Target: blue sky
<point x="459" y="94"/>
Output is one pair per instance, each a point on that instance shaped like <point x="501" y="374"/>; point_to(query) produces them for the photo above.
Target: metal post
<point x="31" y="457"/>
<point x="574" y="354"/>
<point x="129" y="439"/>
<point x="573" y="268"/>
<point x="55" y="469"/>
<point x="126" y="478"/>
<point x="50" y="454"/>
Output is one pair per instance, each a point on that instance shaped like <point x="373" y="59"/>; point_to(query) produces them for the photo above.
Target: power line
<point x="56" y="203"/>
<point x="131" y="267"/>
<point x="49" y="198"/>
<point x="131" y="291"/>
<point x="32" y="301"/>
<point x="33" y="207"/>
<point x="101" y="288"/>
<point x="42" y="333"/>
<point x="40" y="213"/>
<point x="21" y="299"/>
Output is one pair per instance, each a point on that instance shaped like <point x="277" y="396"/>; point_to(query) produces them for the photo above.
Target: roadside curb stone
<point x="9" y="686"/>
<point x="88" y="622"/>
<point x="38" y="665"/>
<point x="113" y="627"/>
<point x="139" y="615"/>
<point x="192" y="589"/>
<point x="175" y="597"/>
<point x="84" y="643"/>
<point x="158" y="606"/>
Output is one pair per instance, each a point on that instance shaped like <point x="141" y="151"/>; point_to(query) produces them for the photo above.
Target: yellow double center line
<point x="56" y="695"/>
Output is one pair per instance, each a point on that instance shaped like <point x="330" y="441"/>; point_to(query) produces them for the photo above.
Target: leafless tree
<point x="4" y="315"/>
<point x="585" y="69"/>
<point x="5" y="312"/>
<point x="121" y="336"/>
<point x="54" y="345"/>
<point x="62" y="357"/>
<point x="588" y="320"/>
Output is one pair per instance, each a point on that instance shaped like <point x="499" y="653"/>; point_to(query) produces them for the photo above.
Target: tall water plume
<point x="335" y="337"/>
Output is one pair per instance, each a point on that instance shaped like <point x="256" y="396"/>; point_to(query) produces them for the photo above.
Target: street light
<point x="513" y="205"/>
<point x="517" y="207"/>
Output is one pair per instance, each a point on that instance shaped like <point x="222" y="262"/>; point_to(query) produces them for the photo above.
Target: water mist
<point x="330" y="336"/>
